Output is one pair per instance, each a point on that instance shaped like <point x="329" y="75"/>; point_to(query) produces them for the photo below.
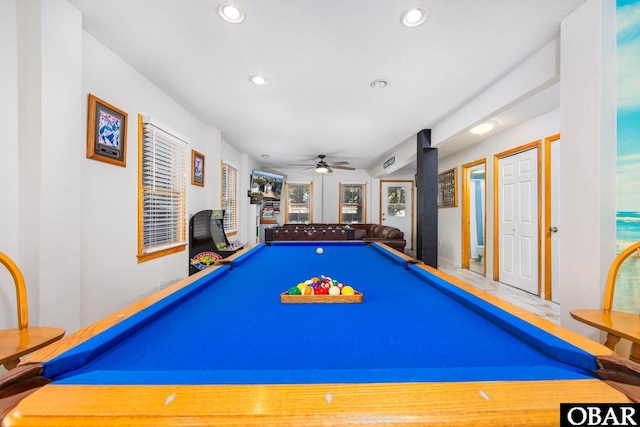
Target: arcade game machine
<point x="208" y="242"/>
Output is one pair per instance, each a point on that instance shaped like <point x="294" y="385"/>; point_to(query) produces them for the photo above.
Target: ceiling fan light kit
<point x="320" y="166"/>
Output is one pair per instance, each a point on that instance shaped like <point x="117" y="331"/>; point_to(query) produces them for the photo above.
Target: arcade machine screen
<point x="219" y="237"/>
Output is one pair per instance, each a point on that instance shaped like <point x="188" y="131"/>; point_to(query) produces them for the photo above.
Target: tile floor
<point x="532" y="303"/>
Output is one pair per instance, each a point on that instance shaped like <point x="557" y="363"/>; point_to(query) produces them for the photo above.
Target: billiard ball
<point x="348" y="290"/>
<point x="319" y="251"/>
<point x="334" y="290"/>
<point x="321" y="290"/>
<point x="294" y="290"/>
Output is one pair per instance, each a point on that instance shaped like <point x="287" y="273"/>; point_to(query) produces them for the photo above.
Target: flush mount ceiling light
<point x="231" y="13"/>
<point x="259" y="80"/>
<point x="379" y="84"/>
<point x="483" y="128"/>
<point x="414" y="16"/>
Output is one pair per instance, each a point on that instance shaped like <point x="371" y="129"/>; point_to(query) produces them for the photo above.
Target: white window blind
<point x="230" y="197"/>
<point x="163" y="187"/>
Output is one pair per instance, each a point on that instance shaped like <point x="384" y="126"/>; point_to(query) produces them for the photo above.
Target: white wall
<point x="111" y="274"/>
<point x="9" y="158"/>
<point x="587" y="215"/>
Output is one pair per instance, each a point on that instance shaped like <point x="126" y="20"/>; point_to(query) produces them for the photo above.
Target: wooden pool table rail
<point x="492" y="404"/>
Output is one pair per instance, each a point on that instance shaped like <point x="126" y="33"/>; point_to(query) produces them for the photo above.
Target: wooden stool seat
<point x="15" y="343"/>
<point x="25" y="339"/>
<point x="616" y="324"/>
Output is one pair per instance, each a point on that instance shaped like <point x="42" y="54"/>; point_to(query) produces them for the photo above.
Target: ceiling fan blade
<point x="337" y="163"/>
<point x="301" y="164"/>
<point x="349" y="168"/>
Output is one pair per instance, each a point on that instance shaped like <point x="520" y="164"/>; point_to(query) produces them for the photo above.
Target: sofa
<point x="390" y="236"/>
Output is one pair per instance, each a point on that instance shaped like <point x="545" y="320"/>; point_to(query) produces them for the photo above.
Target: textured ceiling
<point x="320" y="57"/>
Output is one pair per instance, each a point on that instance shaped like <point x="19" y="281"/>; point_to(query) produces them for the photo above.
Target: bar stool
<point x="25" y="339"/>
<point x="616" y="324"/>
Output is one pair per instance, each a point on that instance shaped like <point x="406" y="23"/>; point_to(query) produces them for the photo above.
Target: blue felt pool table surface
<point x="229" y="327"/>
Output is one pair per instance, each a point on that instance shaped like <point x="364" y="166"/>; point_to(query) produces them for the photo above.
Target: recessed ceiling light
<point x="259" y="80"/>
<point x="379" y="84"/>
<point x="231" y="13"/>
<point x="483" y="128"/>
<point x="264" y="156"/>
<point x="414" y="16"/>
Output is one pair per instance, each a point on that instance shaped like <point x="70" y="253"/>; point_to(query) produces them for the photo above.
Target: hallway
<point x="545" y="309"/>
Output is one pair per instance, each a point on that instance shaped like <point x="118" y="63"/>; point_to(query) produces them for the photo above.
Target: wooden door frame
<point x="466" y="216"/>
<point x="496" y="205"/>
<point x="547" y="215"/>
<point x="413" y="186"/>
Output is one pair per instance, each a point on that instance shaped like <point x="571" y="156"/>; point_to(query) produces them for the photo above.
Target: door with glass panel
<point x="396" y="207"/>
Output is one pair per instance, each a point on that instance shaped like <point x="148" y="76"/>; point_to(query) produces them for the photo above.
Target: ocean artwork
<point x="627" y="292"/>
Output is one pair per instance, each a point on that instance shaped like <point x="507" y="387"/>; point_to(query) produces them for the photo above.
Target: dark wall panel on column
<point x="427" y="200"/>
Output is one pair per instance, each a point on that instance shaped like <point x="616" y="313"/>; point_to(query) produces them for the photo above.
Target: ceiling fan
<point x="324" y="167"/>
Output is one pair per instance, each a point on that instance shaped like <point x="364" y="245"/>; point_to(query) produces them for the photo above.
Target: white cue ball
<point x="334" y="290"/>
<point x="319" y="251"/>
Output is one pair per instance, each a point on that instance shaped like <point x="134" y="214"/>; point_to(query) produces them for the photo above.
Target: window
<point x="161" y="191"/>
<point x="352" y="203"/>
<point x="299" y="197"/>
<point x="229" y="200"/>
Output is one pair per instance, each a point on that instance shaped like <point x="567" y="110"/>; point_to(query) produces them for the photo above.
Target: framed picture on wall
<point x="447" y="188"/>
<point x="197" y="168"/>
<point x="106" y="132"/>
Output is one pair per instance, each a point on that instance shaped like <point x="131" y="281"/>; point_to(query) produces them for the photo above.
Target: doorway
<point x="517" y="218"/>
<point x="396" y="207"/>
<point x="474" y="214"/>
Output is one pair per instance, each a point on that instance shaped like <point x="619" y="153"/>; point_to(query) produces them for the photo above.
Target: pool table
<point x="219" y="348"/>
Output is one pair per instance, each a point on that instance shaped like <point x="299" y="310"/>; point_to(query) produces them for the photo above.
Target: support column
<point x="427" y="200"/>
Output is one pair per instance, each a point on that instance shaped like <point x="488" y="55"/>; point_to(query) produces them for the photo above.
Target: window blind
<point x="229" y="200"/>
<point x="163" y="186"/>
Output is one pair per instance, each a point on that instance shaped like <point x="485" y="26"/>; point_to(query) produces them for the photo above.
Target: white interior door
<point x="518" y="187"/>
<point x="397" y="207"/>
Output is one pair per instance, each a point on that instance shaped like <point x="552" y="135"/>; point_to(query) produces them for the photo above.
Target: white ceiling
<point x="320" y="57"/>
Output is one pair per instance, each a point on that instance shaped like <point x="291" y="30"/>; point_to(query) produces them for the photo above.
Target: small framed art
<point x="106" y="132"/>
<point x="447" y="188"/>
<point x="197" y="168"/>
